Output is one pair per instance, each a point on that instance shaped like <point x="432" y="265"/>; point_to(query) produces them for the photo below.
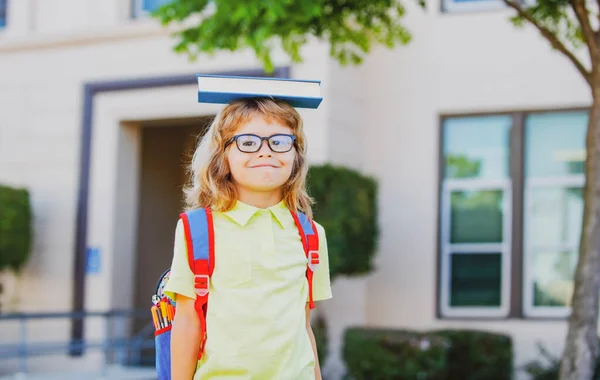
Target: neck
<point x="259" y="199"/>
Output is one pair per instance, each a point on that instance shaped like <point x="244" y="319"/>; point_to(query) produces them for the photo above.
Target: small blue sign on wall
<point x="93" y="260"/>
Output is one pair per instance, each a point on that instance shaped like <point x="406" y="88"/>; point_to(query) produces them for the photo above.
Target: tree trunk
<point x="581" y="347"/>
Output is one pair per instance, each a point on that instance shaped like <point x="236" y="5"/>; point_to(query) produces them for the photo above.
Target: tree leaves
<point x="557" y="17"/>
<point x="351" y="27"/>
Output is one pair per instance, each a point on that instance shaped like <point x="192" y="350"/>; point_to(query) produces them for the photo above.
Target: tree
<point x="351" y="28"/>
<point x="569" y="25"/>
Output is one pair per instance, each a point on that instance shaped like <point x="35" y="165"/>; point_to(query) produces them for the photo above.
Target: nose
<point x="265" y="150"/>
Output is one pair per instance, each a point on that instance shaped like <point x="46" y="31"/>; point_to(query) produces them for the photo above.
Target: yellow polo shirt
<point x="256" y="321"/>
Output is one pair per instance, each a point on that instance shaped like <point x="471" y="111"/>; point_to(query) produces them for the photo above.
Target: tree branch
<point x="552" y="38"/>
<point x="588" y="33"/>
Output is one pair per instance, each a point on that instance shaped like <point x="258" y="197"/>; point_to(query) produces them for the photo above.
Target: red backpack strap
<point x="310" y="242"/>
<point x="200" y="241"/>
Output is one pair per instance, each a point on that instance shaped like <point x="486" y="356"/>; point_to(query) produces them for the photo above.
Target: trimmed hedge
<point x="433" y="355"/>
<point x="346" y="207"/>
<point x="478" y="355"/>
<point x="15" y="228"/>
<point x="377" y="354"/>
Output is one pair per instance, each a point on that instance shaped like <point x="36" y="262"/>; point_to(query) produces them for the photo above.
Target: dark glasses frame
<point x="262" y="140"/>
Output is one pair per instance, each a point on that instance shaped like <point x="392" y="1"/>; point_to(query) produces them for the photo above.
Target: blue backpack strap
<point x="310" y="242"/>
<point x="199" y="236"/>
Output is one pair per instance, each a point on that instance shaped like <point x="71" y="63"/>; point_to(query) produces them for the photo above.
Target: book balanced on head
<point x="223" y="89"/>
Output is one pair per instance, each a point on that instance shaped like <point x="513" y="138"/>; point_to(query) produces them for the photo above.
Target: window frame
<point x="529" y="186"/>
<point x="517" y="276"/>
<point x="447" y="248"/>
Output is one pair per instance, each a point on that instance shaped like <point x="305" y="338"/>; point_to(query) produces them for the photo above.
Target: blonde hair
<point x="210" y="179"/>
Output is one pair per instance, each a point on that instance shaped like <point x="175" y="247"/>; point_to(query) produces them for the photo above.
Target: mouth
<point x="263" y="166"/>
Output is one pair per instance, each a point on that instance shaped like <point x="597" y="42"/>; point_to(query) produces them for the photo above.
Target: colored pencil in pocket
<point x="156" y="327"/>
<point x="163" y="313"/>
<point x="158" y="317"/>
<point x="168" y="311"/>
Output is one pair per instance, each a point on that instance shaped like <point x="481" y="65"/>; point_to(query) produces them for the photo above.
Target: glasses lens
<point x="248" y="143"/>
<point x="281" y="143"/>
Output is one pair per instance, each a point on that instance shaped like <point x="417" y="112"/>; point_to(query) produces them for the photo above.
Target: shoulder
<point x="305" y="220"/>
<point x="179" y="232"/>
<point x="194" y="217"/>
<point x="320" y="228"/>
<point x="179" y="226"/>
<point x="320" y="232"/>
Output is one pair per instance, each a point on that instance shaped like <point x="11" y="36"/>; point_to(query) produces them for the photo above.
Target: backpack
<point x="199" y="236"/>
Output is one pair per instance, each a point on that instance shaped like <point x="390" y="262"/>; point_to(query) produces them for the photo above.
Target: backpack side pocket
<point x="162" y="340"/>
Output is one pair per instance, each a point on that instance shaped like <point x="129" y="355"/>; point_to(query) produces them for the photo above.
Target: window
<point x="456" y="6"/>
<point x="3" y="13"/>
<point x="475" y="231"/>
<point x="471" y="5"/>
<point x="501" y="173"/>
<point x="553" y="209"/>
<point x="142" y="8"/>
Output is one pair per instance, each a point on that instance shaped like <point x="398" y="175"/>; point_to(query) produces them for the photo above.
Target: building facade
<point x="475" y="132"/>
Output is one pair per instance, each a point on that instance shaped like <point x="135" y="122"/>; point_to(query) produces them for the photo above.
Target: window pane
<point x="555" y="144"/>
<point x="477" y="147"/>
<point x="3" y="5"/>
<point x="553" y="277"/>
<point x="476" y="279"/>
<point x="476" y="217"/>
<point x="152" y="5"/>
<point x="555" y="217"/>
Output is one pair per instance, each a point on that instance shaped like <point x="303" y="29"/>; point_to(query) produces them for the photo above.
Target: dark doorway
<point x="166" y="148"/>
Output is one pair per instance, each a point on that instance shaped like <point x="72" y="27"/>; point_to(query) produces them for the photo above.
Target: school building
<point x="474" y="131"/>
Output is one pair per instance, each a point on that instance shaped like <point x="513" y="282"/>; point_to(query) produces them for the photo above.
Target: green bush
<point x="378" y="354"/>
<point x="346" y="206"/>
<point x="15" y="228"/>
<point x="445" y="354"/>
<point x="478" y="355"/>
<point x="551" y="368"/>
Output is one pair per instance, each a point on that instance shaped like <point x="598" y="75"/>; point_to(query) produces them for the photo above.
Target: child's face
<point x="263" y="170"/>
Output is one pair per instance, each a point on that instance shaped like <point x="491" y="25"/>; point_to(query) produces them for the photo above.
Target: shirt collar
<point x="282" y="214"/>
<point x="242" y="212"/>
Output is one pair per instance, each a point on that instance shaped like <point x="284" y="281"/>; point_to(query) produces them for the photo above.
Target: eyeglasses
<point x="249" y="143"/>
